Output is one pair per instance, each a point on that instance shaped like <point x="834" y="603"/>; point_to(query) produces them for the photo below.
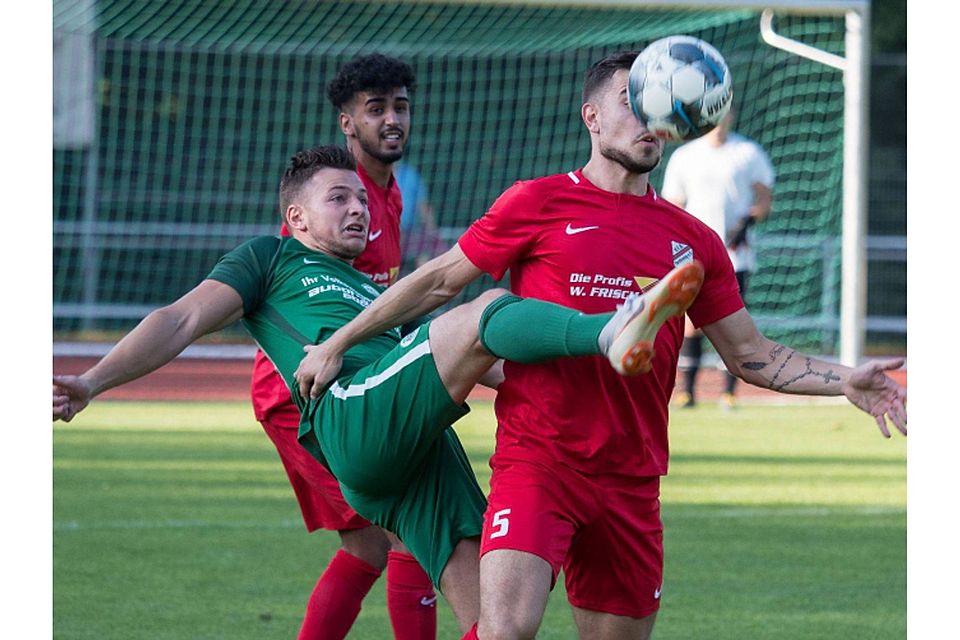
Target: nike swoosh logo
<point x="428" y="602"/>
<point x="374" y="235"/>
<point x="309" y="261"/>
<point x="656" y="594"/>
<point x="571" y="230"/>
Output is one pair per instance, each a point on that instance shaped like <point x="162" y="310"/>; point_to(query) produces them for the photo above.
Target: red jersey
<point x="380" y="261"/>
<point x="566" y="241"/>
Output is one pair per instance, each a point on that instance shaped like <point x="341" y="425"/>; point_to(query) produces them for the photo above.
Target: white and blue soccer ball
<point x="680" y="87"/>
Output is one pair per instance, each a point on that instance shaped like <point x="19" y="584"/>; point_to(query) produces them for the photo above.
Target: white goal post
<point x="855" y="66"/>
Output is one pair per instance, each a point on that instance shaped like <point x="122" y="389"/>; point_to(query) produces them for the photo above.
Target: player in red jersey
<point x="372" y="94"/>
<point x="580" y="450"/>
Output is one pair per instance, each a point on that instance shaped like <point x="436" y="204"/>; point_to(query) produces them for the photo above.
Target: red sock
<point x="472" y="634"/>
<point x="410" y="599"/>
<point x="335" y="601"/>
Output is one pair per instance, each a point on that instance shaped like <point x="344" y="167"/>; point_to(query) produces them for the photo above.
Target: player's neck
<point x="611" y="176"/>
<point x="377" y="170"/>
<point x="308" y="241"/>
<point x="717" y="138"/>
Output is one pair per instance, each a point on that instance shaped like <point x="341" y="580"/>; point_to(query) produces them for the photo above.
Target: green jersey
<point x="383" y="427"/>
<point x="294" y="296"/>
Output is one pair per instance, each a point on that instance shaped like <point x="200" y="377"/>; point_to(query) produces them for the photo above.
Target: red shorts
<point x="318" y="492"/>
<point x="604" y="531"/>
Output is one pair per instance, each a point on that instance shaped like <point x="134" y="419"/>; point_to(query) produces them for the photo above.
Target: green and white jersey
<point x="294" y="296"/>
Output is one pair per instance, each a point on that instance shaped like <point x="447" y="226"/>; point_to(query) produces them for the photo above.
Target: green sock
<point x="527" y="330"/>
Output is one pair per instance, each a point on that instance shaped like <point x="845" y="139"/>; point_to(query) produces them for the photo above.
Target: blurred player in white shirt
<point x="726" y="180"/>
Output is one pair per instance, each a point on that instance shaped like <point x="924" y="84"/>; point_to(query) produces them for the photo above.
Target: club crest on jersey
<point x="409" y="338"/>
<point x="682" y="253"/>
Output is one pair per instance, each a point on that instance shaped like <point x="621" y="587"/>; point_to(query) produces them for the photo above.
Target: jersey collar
<point x="577" y="177"/>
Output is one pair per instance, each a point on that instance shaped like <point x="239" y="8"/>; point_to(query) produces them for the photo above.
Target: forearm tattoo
<point x="776" y="384"/>
<point x="757" y="366"/>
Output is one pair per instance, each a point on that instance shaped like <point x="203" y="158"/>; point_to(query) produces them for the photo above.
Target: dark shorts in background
<point x="318" y="492"/>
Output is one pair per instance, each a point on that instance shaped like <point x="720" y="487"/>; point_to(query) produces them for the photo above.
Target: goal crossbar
<point x="818" y="7"/>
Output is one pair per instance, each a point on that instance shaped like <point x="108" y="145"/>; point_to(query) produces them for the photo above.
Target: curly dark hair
<point x="603" y="70"/>
<point x="304" y="164"/>
<point x="375" y="72"/>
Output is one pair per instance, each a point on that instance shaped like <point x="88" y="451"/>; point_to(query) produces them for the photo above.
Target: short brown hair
<point x="304" y="164"/>
<point x="602" y="70"/>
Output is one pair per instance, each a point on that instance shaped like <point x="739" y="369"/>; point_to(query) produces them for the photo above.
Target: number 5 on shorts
<point x="501" y="523"/>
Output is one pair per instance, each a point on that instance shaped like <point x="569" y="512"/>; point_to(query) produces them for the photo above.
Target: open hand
<point x="316" y="370"/>
<point x="71" y="394"/>
<point x="873" y="391"/>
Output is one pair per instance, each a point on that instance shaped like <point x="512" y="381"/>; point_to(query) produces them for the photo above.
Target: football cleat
<point x="684" y="400"/>
<point x="728" y="401"/>
<point x="635" y="324"/>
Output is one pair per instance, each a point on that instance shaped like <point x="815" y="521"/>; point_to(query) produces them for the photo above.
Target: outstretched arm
<point x="412" y="296"/>
<point x="768" y="364"/>
<point x="157" y="340"/>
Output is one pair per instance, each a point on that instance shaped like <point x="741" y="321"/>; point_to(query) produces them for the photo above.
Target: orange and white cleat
<point x="635" y="325"/>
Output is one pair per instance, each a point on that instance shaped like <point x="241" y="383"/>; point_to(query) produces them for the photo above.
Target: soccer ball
<point x="680" y="88"/>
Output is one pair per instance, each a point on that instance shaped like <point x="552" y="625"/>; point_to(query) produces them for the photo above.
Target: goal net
<point x="173" y="122"/>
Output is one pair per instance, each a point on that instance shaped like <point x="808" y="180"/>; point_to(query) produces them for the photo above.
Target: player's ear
<point x="590" y="117"/>
<point x="346" y="123"/>
<point x="294" y="216"/>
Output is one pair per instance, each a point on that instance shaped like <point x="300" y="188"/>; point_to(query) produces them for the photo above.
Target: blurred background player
<point x="372" y="95"/>
<point x="575" y="481"/>
<point x="725" y="180"/>
<point x="419" y="236"/>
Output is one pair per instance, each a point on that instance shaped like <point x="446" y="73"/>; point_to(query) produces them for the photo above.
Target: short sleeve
<point x="505" y="232"/>
<point x="247" y="270"/>
<point x="762" y="167"/>
<point x="720" y="294"/>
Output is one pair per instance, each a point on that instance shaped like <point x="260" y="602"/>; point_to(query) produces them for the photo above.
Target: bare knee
<point x="461" y="325"/>
<point x="370" y="544"/>
<point x="489" y="296"/>
<point x="395" y="544"/>
<point x="477" y="307"/>
<point x="508" y="625"/>
<point x="596" y="625"/>
<point x="460" y="582"/>
<point x="514" y="587"/>
<point x="458" y="352"/>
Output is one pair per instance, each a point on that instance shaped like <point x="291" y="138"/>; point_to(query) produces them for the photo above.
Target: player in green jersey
<point x="404" y="470"/>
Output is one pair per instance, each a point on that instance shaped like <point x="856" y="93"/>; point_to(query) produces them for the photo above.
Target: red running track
<point x="229" y="379"/>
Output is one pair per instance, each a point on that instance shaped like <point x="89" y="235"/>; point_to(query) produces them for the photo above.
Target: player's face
<point x="334" y="213"/>
<point x="380" y="123"/>
<point x="623" y="138"/>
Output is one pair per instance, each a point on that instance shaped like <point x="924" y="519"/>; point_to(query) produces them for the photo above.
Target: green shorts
<point x="385" y="434"/>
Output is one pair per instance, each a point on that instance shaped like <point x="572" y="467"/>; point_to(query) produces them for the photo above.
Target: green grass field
<point x="176" y="521"/>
